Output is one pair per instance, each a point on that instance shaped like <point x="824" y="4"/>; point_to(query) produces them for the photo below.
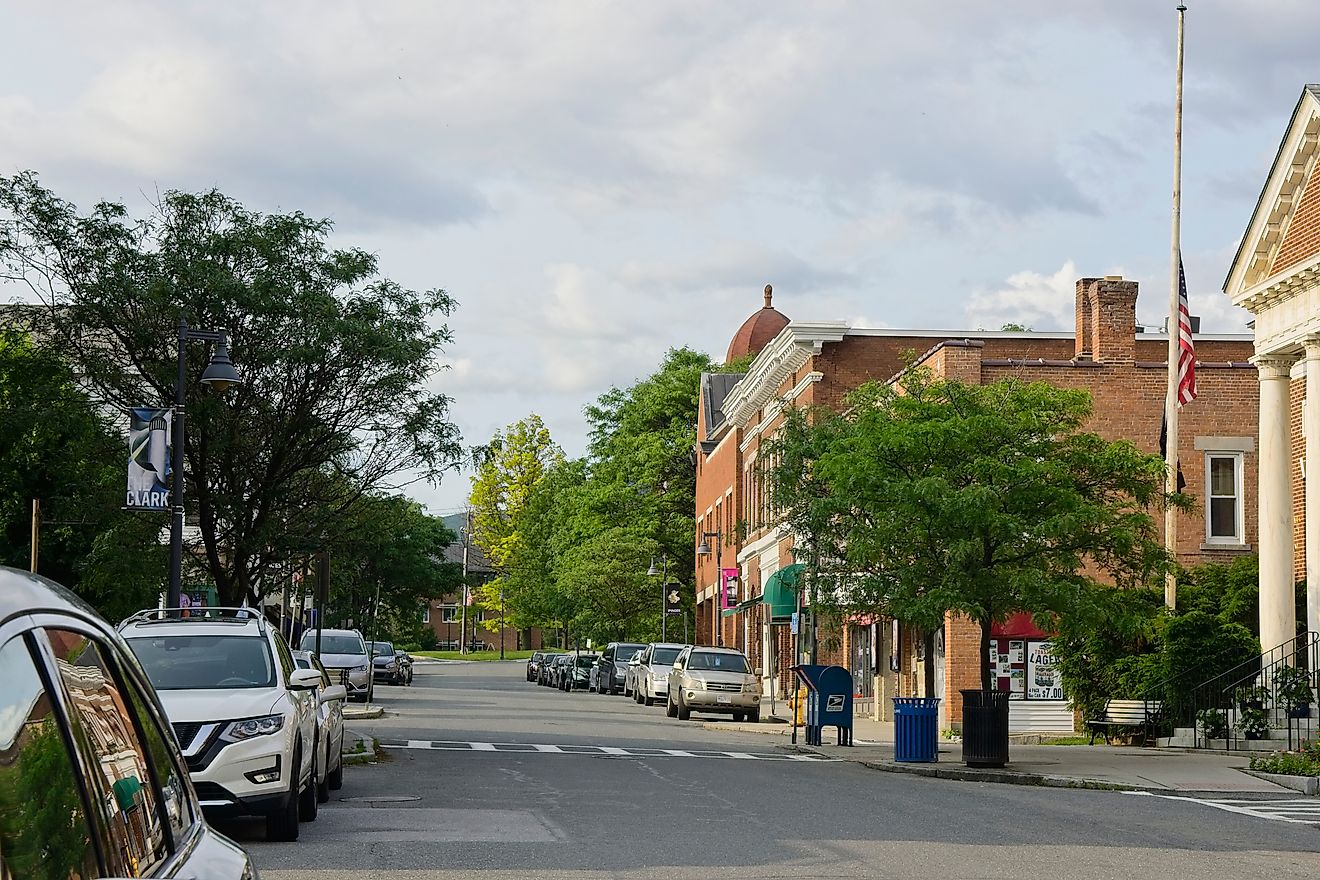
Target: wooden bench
<point x="1143" y="715"/>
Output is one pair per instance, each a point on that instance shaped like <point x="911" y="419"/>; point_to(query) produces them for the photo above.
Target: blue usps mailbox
<point x="829" y="701"/>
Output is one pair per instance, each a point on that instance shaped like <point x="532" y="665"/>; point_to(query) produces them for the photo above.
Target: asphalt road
<point x="580" y="785"/>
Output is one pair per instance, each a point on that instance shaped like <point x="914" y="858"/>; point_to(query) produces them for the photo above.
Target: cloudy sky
<point x="598" y="182"/>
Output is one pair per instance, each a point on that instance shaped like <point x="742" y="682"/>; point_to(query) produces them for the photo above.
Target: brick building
<point x="445" y="617"/>
<point x="818" y="363"/>
<point x="1276" y="276"/>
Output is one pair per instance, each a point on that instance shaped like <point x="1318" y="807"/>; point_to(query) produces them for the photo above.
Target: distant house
<point x="445" y="615"/>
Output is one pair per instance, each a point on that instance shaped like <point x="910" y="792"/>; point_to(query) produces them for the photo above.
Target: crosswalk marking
<point x="589" y="750"/>
<point x="1298" y="811"/>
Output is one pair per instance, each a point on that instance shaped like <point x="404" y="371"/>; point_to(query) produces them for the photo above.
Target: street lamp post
<point x="663" y="571"/>
<point x="703" y="549"/>
<point x="501" y="620"/>
<point x="218" y="375"/>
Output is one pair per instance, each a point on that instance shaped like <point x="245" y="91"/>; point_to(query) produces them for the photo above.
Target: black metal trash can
<point x="985" y="728"/>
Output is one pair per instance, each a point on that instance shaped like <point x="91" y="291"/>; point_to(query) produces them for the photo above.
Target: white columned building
<point x="1276" y="276"/>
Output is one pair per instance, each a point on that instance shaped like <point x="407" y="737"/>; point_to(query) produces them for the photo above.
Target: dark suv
<point x="614" y="666"/>
<point x="93" y="784"/>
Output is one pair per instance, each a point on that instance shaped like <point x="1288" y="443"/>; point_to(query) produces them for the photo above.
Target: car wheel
<point x="684" y="711"/>
<point x="335" y="778"/>
<point x="648" y="700"/>
<point x="283" y="823"/>
<point x="309" y="805"/>
<point x="754" y="716"/>
<point x="323" y="787"/>
<point x="670" y="709"/>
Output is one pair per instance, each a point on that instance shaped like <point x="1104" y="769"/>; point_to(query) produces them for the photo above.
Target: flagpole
<point x="1171" y="389"/>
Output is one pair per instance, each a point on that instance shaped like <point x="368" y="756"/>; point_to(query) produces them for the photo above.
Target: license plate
<point x="723" y="699"/>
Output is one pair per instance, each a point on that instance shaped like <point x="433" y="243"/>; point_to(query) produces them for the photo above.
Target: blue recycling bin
<point x="916" y="729"/>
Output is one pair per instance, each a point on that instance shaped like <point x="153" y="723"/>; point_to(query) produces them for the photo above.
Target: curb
<point x="969" y="774"/>
<point x="364" y="714"/>
<point x="367" y="755"/>
<point x="1305" y="784"/>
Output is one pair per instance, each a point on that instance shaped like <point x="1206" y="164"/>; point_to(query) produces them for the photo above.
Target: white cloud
<point x="1036" y="300"/>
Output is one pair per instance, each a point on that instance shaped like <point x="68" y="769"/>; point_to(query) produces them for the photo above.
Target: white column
<point x="1278" y="615"/>
<point x="1311" y="433"/>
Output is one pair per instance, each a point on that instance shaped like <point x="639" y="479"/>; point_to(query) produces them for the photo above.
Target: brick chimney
<point x="1107" y="320"/>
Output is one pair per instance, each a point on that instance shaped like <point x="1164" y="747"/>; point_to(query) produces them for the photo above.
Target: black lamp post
<point x="663" y="571"/>
<point x="218" y="375"/>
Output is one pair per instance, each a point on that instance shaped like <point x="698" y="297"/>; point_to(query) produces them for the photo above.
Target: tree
<point x="337" y="360"/>
<point x="985" y="501"/>
<point x="508" y="469"/>
<point x="58" y="448"/>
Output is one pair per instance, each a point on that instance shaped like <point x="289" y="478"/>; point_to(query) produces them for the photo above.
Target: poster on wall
<point x="1044" y="682"/>
<point x="1016" y="680"/>
<point x="1016" y="652"/>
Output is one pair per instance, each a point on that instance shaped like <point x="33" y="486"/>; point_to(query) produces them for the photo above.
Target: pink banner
<point x="729" y="593"/>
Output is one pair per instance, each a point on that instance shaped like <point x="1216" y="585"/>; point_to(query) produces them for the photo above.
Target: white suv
<point x="243" y="713"/>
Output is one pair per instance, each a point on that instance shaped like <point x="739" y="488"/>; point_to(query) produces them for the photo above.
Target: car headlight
<point x="238" y="731"/>
<point x="361" y="668"/>
<point x="696" y="684"/>
<point x="752" y="688"/>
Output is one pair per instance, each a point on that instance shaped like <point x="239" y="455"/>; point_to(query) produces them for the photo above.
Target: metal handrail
<point x="1220" y="693"/>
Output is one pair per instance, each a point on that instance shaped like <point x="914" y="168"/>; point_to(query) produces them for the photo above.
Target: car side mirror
<point x="334" y="692"/>
<point x="305" y="679"/>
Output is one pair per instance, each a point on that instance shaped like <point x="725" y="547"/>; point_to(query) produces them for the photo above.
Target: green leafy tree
<point x="57" y="447"/>
<point x="984" y="501"/>
<point x="508" y="470"/>
<point x="337" y="361"/>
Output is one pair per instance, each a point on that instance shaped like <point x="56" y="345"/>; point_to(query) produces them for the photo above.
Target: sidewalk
<point x="1111" y="767"/>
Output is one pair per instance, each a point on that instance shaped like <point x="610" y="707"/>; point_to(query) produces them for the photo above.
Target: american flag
<point x="1186" y="349"/>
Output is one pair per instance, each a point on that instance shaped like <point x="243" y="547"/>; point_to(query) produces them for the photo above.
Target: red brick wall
<point x="1301" y="240"/>
<point x="962" y="661"/>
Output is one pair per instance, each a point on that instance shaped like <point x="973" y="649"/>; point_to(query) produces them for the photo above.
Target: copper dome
<point x="757" y="331"/>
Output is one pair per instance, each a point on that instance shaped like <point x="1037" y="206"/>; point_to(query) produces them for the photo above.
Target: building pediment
<point x="788" y="352"/>
<point x="1281" y="245"/>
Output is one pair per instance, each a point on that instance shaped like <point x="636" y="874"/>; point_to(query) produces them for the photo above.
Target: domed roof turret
<point x="757" y="331"/>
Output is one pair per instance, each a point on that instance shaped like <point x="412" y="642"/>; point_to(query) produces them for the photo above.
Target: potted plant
<point x="1250" y="697"/>
<point x="1292" y="690"/>
<point x="1253" y="723"/>
<point x="1213" y="723"/>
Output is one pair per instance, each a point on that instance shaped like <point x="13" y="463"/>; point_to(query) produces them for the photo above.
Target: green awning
<point x="126" y="790"/>
<point x="741" y="606"/>
<point x="781" y="592"/>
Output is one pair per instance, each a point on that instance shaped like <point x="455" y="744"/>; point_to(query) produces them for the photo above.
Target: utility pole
<point x="36" y="532"/>
<point x="501" y="620"/>
<point x="1171" y="379"/>
<point x="462" y="625"/>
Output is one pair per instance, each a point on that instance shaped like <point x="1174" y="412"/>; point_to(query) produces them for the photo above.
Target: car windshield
<point x="197" y="662"/>
<point x="664" y="656"/>
<point x="382" y="649"/>
<point x="585" y="661"/>
<point x="717" y="661"/>
<point x="624" y="653"/>
<point x="333" y="644"/>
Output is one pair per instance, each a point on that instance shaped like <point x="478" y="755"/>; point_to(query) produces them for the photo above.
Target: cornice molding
<point x="795" y="345"/>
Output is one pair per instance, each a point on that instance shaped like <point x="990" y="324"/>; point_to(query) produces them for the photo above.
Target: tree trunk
<point x="928" y="667"/>
<point x="986" y="623"/>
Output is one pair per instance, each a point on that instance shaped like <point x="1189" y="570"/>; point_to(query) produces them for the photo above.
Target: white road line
<point x="1268" y="810"/>
<point x="591" y="750"/>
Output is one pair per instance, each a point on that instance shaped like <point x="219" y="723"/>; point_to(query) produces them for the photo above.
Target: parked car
<point x="630" y="674"/>
<point x="556" y="669"/>
<point x="651" y="674"/>
<point x="718" y="680"/>
<point x="534" y="664"/>
<point x="330" y="725"/>
<point x="75" y="697"/>
<point x="405" y="665"/>
<point x="614" y="665"/>
<point x="545" y="675"/>
<point x="385" y="665"/>
<point x="576" y="673"/>
<point x="344" y="655"/>
<point x="243" y="712"/>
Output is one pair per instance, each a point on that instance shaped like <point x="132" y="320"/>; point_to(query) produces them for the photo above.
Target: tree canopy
<point x="337" y="401"/>
<point x="938" y="497"/>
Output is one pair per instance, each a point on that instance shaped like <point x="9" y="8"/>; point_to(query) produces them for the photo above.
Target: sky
<point x="596" y="183"/>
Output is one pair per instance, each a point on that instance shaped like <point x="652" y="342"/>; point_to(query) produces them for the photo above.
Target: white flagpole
<point x="1171" y="391"/>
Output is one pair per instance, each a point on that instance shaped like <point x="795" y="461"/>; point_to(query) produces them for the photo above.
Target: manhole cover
<point x="382" y="799"/>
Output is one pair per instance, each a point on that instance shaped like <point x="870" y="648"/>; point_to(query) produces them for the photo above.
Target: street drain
<point x="382" y="799"/>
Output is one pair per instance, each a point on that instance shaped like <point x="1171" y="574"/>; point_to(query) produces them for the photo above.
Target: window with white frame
<point x="448" y="613"/>
<point x="426" y="614"/>
<point x="1223" y="498"/>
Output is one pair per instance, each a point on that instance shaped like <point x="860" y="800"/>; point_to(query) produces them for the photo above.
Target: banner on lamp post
<point x="729" y="582"/>
<point x="673" y="601"/>
<point x="149" y="447"/>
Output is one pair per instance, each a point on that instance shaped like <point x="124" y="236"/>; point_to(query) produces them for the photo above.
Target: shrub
<point x="427" y="640"/>
<point x="1213" y="723"/>
<point x="1286" y="763"/>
